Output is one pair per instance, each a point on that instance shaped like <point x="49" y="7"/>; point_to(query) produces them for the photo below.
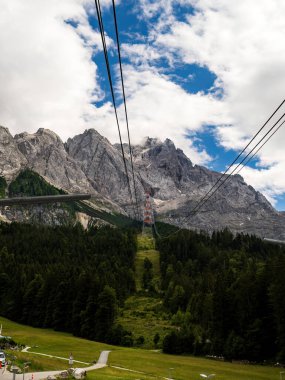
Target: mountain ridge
<point x="88" y="162"/>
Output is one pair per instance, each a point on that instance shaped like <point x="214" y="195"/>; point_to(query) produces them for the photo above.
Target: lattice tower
<point x="148" y="219"/>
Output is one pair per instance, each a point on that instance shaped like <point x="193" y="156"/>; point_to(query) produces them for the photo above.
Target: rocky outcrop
<point x="12" y="161"/>
<point x="46" y="155"/>
<point x="103" y="165"/>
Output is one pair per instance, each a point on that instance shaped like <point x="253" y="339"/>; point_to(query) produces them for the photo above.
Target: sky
<point x="205" y="73"/>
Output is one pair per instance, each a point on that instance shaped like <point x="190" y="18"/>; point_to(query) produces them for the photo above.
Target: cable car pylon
<point x="148" y="216"/>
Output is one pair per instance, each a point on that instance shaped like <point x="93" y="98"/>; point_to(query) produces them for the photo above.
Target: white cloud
<point x="47" y="75"/>
<point x="140" y="54"/>
<point x="151" y="8"/>
<point x="269" y="181"/>
<point x="159" y="107"/>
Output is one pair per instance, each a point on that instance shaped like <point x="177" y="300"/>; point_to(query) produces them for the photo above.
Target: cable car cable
<point x="102" y="32"/>
<point x="124" y="97"/>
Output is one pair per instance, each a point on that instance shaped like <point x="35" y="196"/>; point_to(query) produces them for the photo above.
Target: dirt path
<point x="102" y="362"/>
<point x="27" y="349"/>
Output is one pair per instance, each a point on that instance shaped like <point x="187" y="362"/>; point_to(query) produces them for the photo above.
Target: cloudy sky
<point x="204" y="73"/>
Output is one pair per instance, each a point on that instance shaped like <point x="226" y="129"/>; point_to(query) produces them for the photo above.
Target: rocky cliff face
<point x="90" y="163"/>
<point x="103" y="165"/>
<point x="46" y="155"/>
<point x="12" y="161"/>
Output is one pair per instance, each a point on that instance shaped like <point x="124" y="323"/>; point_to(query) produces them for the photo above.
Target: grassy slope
<point x="142" y="313"/>
<point x="116" y="374"/>
<point x="146" y="249"/>
<point x="153" y="364"/>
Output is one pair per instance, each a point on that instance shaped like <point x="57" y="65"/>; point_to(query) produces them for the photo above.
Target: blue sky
<point x="203" y="73"/>
<point x="192" y="78"/>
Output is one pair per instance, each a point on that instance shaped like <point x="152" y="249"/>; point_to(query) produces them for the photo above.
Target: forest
<point x="67" y="278"/>
<point x="223" y="294"/>
<point x="226" y="295"/>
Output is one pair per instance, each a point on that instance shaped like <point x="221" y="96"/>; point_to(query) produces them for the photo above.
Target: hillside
<point x="225" y="293"/>
<point x="67" y="278"/>
<point x="30" y="183"/>
<point x="149" y="364"/>
<point x="144" y="313"/>
<point x="195" y="293"/>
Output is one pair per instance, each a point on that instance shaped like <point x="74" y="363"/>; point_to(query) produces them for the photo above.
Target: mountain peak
<point x="149" y="142"/>
<point x="41" y="137"/>
<point x="169" y="143"/>
<point x="4" y="131"/>
<point x="47" y="132"/>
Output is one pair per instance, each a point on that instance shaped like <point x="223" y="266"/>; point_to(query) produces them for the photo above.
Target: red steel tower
<point x="148" y="220"/>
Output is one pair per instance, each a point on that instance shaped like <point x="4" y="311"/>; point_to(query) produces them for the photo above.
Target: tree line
<point x="226" y="295"/>
<point x="67" y="278"/>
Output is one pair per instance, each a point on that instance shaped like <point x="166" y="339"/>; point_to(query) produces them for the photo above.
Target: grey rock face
<point x="11" y="159"/>
<point x="163" y="168"/>
<point x="46" y="154"/>
<point x="103" y="164"/>
<point x="36" y="214"/>
<point x="178" y="186"/>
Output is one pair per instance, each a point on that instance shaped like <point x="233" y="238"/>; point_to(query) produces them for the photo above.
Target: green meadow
<point x="145" y="364"/>
<point x="142" y="313"/>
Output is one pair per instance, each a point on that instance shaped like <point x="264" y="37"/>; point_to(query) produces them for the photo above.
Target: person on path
<point x="70" y="362"/>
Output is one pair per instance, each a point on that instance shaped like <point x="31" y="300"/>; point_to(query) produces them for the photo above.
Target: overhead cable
<point x="125" y="103"/>
<point x="102" y="32"/>
<point x="255" y="153"/>
<point x="239" y="155"/>
<point x="193" y="212"/>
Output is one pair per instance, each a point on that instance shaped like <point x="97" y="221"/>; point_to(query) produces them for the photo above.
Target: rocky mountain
<point x="46" y="155"/>
<point x="103" y="165"/>
<point x="178" y="185"/>
<point x="89" y="163"/>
